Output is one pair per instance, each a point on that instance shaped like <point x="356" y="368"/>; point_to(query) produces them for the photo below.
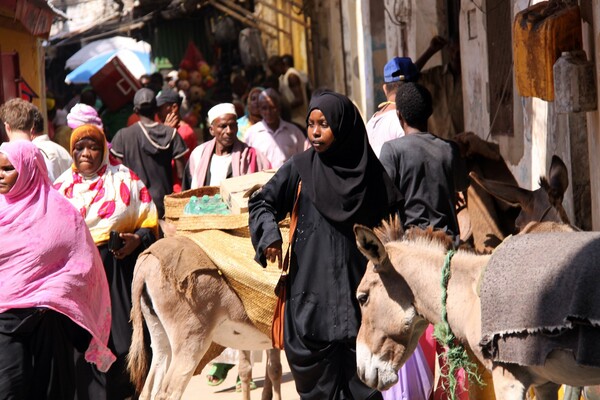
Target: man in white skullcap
<point x="225" y="155"/>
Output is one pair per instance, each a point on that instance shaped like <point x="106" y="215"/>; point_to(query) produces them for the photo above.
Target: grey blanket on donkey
<point x="541" y="292"/>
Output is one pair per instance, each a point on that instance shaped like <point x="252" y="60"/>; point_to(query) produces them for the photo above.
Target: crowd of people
<point x="80" y="208"/>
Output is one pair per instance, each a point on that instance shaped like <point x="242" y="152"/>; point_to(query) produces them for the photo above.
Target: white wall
<point x="82" y="14"/>
<point x="539" y="131"/>
<point x="593" y="120"/>
<point x="473" y="55"/>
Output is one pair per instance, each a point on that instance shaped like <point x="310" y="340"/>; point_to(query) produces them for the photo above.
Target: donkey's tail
<point x="137" y="359"/>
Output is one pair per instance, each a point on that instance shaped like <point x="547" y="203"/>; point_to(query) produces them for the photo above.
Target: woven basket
<point x="176" y="202"/>
<point x="233" y="254"/>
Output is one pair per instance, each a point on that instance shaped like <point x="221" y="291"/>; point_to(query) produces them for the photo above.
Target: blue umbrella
<point x="137" y="62"/>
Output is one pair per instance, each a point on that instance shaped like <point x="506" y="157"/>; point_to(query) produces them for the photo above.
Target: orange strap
<point x="293" y="224"/>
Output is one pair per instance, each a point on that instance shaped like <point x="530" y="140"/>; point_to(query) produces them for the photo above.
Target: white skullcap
<point x="220" y="109"/>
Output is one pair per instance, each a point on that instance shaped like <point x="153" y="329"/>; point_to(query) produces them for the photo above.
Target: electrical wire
<point x="395" y="17"/>
<point x="504" y="89"/>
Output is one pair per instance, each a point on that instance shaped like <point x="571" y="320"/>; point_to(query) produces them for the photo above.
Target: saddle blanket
<point x="541" y="292"/>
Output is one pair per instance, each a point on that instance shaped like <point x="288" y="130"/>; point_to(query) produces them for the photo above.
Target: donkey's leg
<point x="190" y="321"/>
<point x="273" y="375"/>
<point x="177" y="330"/>
<point x="187" y="351"/>
<point x="267" y="392"/>
<point x="507" y="386"/>
<point x="548" y="391"/>
<point x="147" y="283"/>
<point x="573" y="393"/>
<point x="245" y="373"/>
<point x="161" y="353"/>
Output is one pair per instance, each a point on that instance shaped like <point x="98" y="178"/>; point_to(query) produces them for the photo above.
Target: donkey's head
<point x="543" y="204"/>
<point x="390" y="327"/>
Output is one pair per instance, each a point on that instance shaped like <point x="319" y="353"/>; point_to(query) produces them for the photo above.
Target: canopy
<point x="104" y="46"/>
<point x="136" y="62"/>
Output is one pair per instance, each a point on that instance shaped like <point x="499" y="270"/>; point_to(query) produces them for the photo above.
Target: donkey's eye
<point x="362" y="298"/>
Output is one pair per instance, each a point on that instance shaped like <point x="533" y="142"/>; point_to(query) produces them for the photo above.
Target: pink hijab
<point x="47" y="257"/>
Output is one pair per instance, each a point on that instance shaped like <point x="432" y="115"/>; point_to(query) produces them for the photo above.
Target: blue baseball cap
<point x="400" y="69"/>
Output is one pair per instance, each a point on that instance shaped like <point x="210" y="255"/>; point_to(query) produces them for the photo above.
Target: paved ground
<point x="198" y="389"/>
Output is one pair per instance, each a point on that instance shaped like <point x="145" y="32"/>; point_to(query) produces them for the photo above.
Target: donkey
<point x="400" y="294"/>
<point x="182" y="326"/>
<point x="496" y="206"/>
<point x="543" y="204"/>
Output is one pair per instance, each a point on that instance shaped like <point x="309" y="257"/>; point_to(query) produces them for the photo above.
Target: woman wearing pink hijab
<point x="53" y="291"/>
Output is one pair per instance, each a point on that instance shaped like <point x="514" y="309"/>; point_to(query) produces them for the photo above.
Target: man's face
<point x="224" y="129"/>
<point x="268" y="110"/>
<point x="165" y="110"/>
<point x="277" y="68"/>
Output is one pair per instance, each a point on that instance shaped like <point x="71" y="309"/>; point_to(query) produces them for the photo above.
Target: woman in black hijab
<point x="343" y="184"/>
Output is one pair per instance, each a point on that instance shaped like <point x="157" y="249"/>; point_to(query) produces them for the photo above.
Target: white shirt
<point x="58" y="160"/>
<point x="382" y="128"/>
<point x="219" y="167"/>
<point x="278" y="146"/>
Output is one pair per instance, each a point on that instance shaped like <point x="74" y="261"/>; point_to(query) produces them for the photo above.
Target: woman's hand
<point x="131" y="242"/>
<point x="273" y="252"/>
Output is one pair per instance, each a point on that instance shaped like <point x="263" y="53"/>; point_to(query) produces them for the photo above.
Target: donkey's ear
<point x="169" y="229"/>
<point x="370" y="245"/>
<point x="511" y="194"/>
<point x="558" y="176"/>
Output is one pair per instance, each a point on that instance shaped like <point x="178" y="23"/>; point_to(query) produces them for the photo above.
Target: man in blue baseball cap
<point x="384" y="125"/>
<point x="400" y="69"/>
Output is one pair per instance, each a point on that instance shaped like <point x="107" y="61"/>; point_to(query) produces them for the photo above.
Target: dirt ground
<point x="198" y="389"/>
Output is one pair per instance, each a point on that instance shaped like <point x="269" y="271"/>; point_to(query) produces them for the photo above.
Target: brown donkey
<point x="184" y="323"/>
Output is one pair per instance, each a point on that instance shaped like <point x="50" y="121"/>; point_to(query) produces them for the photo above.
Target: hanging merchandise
<point x="252" y="51"/>
<point x="196" y="80"/>
<point x="541" y="33"/>
<point x="191" y="57"/>
<point x="574" y="86"/>
<point x="225" y="31"/>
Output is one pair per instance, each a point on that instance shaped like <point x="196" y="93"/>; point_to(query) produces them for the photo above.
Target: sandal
<point x="238" y="384"/>
<point x="218" y="373"/>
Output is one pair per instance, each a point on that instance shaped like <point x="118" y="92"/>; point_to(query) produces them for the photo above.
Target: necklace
<point x="383" y="106"/>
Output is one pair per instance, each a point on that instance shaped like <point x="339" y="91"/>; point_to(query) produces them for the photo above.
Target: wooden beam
<point x="285" y="14"/>
<point x="247" y="14"/>
<point x="243" y="19"/>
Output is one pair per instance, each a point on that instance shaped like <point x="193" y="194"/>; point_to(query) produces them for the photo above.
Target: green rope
<point x="456" y="356"/>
